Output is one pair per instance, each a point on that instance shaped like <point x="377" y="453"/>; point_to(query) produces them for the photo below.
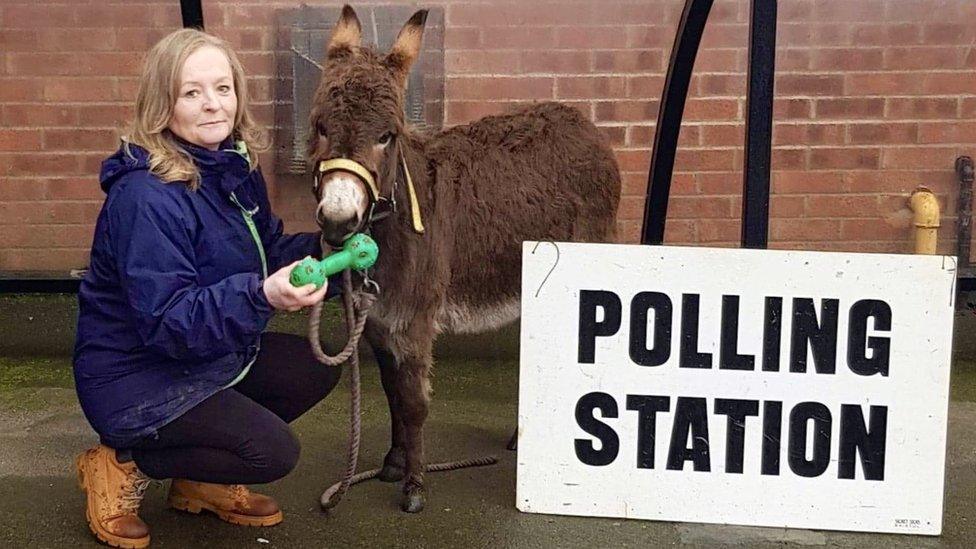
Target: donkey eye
<point x="321" y="129"/>
<point x="386" y="138"/>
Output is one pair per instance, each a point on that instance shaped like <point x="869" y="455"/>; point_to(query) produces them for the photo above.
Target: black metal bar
<point x="759" y="124"/>
<point x="964" y="172"/>
<point x="192" y="14"/>
<point x="669" y="114"/>
<point x="39" y="285"/>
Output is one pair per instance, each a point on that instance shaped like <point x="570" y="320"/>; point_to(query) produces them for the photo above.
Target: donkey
<point x="457" y="206"/>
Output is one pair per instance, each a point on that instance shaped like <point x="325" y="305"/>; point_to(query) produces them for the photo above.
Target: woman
<point x="188" y="265"/>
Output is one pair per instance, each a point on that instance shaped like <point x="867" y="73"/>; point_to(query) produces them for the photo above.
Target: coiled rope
<point x="357" y="305"/>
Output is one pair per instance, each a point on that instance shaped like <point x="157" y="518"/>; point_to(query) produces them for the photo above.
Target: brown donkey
<point x="458" y="205"/>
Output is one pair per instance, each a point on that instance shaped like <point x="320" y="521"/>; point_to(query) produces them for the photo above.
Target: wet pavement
<point x="473" y="414"/>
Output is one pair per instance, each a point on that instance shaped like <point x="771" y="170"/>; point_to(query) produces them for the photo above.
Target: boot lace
<point x="240" y="493"/>
<point x="133" y="491"/>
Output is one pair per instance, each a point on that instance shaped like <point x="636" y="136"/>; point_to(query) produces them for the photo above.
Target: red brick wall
<point x="874" y="97"/>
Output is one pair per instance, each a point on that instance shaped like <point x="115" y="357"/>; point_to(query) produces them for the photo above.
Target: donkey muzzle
<point x="346" y="192"/>
<point x="336" y="232"/>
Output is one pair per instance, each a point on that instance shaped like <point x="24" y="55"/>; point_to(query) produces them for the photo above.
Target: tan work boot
<point x="114" y="492"/>
<point x="233" y="503"/>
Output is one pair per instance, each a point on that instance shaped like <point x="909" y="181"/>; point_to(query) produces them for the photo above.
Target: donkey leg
<point x="413" y="391"/>
<point x="395" y="462"/>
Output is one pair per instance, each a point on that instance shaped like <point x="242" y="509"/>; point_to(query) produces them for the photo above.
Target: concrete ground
<point x="473" y="414"/>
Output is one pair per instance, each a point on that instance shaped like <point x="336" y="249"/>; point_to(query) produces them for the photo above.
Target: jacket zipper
<point x="248" y="219"/>
<point x="248" y="215"/>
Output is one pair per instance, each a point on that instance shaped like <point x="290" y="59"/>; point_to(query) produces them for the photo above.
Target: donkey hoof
<point x="412" y="502"/>
<point x="394" y="466"/>
<point x="391" y="473"/>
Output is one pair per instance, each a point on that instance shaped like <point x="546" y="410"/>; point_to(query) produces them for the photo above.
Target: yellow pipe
<point x="926" y="219"/>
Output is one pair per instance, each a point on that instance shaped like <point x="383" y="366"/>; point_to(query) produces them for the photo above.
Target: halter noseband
<point x="357" y="169"/>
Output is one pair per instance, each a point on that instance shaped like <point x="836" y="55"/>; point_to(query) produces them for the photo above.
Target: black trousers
<point x="241" y="435"/>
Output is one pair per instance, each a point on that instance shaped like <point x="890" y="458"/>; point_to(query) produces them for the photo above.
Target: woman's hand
<point x="285" y="297"/>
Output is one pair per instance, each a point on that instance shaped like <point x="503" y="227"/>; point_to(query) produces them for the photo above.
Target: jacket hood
<point x="230" y="159"/>
<point x="129" y="158"/>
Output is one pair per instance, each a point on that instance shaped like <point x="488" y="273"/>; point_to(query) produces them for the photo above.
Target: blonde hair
<point x="159" y="87"/>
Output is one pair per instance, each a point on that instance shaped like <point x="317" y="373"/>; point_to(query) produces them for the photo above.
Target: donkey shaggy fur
<point x="542" y="172"/>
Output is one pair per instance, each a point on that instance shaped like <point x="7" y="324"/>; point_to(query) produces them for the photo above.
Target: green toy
<point x="359" y="252"/>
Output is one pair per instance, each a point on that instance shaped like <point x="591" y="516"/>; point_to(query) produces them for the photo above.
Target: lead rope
<point x="361" y="302"/>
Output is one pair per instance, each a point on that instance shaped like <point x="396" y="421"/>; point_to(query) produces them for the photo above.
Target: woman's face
<point x="207" y="101"/>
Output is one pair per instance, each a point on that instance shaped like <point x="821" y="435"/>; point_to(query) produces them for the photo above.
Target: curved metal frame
<point x="682" y="62"/>
<point x="759" y="120"/>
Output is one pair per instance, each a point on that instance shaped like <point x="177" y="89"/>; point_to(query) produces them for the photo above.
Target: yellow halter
<point x="353" y="167"/>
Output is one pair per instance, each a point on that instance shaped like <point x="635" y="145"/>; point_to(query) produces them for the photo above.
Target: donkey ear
<point x="407" y="46"/>
<point x="346" y="34"/>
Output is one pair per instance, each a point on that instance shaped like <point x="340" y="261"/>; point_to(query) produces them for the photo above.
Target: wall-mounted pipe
<point x="926" y="217"/>
<point x="965" y="174"/>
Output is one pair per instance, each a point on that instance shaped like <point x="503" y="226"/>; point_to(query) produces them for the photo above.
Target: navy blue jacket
<point x="172" y="307"/>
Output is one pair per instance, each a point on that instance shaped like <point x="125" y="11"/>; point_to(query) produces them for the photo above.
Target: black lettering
<point x="639" y="307"/>
<point x="772" y="333"/>
<point x="589" y="328"/>
<point x="735" y="433"/>
<point x="855" y="436"/>
<point x="647" y="408"/>
<point x="799" y="420"/>
<point x="689" y="356"/>
<point x="609" y="441"/>
<point x="772" y="431"/>
<point x="858" y="343"/>
<point x="822" y="336"/>
<point x="729" y="357"/>
<point x="690" y="416"/>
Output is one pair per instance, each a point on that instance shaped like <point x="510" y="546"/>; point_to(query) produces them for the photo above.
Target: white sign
<point x="751" y="387"/>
